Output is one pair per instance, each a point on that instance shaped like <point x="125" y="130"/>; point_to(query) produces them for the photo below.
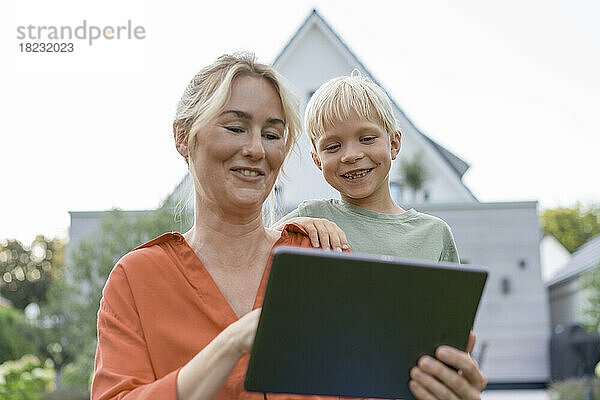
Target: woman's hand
<point x="322" y="233"/>
<point x="431" y="379"/>
<point x="205" y="374"/>
<point x="243" y="331"/>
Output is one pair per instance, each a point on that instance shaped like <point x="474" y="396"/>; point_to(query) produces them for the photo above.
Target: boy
<point x="350" y="124"/>
<point x="352" y="129"/>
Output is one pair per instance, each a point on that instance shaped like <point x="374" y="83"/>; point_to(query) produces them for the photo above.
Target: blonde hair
<point x="337" y="98"/>
<point x="209" y="91"/>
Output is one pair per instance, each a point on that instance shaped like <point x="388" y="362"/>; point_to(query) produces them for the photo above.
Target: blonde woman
<point x="179" y="313"/>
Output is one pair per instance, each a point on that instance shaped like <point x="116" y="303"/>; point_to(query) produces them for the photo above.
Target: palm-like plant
<point x="414" y="174"/>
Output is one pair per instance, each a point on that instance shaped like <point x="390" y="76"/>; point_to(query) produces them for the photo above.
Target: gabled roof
<point x="586" y="258"/>
<point x="457" y="165"/>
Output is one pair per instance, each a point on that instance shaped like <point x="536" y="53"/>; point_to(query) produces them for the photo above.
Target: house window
<point x="522" y="263"/>
<point x="505" y="286"/>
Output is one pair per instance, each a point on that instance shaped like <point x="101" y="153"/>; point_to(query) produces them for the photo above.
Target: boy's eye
<point x="332" y="147"/>
<point x="368" y="139"/>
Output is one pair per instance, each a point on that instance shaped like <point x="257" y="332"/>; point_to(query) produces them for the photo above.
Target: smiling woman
<point x="179" y="314"/>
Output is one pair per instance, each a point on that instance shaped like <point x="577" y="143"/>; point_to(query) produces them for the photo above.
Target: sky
<point x="512" y="87"/>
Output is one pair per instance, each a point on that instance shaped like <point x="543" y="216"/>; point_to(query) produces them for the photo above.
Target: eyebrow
<point x="246" y="116"/>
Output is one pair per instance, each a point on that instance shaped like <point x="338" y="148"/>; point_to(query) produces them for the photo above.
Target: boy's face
<point x="355" y="156"/>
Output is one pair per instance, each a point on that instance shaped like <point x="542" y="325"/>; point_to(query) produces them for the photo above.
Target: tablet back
<point x="354" y="325"/>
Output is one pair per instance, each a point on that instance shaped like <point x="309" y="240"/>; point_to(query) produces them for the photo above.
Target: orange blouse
<point x="160" y="307"/>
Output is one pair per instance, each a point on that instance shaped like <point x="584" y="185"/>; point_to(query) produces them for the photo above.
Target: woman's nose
<point x="253" y="148"/>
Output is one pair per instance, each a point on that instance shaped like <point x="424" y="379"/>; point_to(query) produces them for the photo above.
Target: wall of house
<point x="567" y="302"/>
<point x="513" y="321"/>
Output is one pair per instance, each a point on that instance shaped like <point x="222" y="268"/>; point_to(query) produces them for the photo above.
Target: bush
<point x="26" y="378"/>
<point x="69" y="393"/>
<point x="17" y="336"/>
<point x="574" y="389"/>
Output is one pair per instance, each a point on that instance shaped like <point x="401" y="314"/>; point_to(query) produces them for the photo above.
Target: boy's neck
<point x="380" y="201"/>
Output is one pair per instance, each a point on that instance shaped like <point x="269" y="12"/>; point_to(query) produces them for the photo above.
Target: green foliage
<point x="414" y="174"/>
<point x="590" y="282"/>
<point x="572" y="227"/>
<point x="574" y="389"/>
<point x="25" y="379"/>
<point x="17" y="336"/>
<point x="69" y="393"/>
<point x="26" y="272"/>
<point x="69" y="315"/>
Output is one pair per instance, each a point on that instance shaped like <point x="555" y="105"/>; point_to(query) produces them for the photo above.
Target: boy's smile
<point x="355" y="156"/>
<point x="356" y="173"/>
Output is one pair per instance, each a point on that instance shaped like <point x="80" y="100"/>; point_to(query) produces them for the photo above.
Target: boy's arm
<point x="281" y="223"/>
<point x="322" y="232"/>
<point x="449" y="251"/>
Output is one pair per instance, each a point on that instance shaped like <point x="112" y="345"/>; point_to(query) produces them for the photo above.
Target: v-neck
<point x="208" y="290"/>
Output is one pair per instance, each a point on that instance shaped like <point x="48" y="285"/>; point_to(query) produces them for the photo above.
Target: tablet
<point x="354" y="325"/>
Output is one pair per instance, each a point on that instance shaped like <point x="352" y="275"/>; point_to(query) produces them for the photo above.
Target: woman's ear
<point x="316" y="159"/>
<point x="396" y="144"/>
<point x="180" y="141"/>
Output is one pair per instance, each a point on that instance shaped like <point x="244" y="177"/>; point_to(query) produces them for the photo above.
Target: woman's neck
<point x="228" y="236"/>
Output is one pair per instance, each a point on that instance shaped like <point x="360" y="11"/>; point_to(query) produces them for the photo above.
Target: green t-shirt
<point x="411" y="234"/>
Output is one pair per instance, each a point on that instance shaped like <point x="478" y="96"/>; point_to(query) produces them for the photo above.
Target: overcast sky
<point x="512" y="87"/>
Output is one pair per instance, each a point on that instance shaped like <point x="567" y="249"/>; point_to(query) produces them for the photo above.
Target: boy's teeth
<point x="357" y="174"/>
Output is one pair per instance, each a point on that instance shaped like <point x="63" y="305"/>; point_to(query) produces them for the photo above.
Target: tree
<point x="414" y="174"/>
<point x="69" y="317"/>
<point x="26" y="272"/>
<point x="590" y="282"/>
<point x="572" y="227"/>
<point x="17" y="336"/>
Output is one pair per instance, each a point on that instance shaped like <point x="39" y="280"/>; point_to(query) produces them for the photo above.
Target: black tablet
<point x="354" y="325"/>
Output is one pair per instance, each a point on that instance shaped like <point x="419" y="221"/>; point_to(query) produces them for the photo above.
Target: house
<point x="567" y="299"/>
<point x="553" y="256"/>
<point x="513" y="323"/>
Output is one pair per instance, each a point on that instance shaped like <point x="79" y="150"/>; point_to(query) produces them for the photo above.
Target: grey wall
<point x="516" y="325"/>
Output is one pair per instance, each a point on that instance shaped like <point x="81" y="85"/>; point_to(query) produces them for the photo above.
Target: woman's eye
<point x="271" y="136"/>
<point x="234" y="129"/>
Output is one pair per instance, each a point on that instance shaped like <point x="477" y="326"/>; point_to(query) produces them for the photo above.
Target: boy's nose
<point x="352" y="155"/>
<point x="253" y="148"/>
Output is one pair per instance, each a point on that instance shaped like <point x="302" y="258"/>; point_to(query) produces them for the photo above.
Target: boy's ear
<point x="316" y="160"/>
<point x="180" y="142"/>
<point x="396" y="144"/>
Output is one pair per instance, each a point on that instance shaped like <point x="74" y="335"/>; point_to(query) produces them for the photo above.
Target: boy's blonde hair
<point x="337" y="98"/>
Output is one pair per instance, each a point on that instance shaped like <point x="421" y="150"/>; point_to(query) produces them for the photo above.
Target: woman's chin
<point x="248" y="200"/>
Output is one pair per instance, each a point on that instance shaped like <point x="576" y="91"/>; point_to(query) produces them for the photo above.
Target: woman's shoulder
<point x="153" y="252"/>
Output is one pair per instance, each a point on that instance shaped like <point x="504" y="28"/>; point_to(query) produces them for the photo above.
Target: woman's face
<point x="238" y="154"/>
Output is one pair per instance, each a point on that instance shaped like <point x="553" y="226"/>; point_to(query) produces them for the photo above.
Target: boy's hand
<point x="322" y="233"/>
<point x="431" y="379"/>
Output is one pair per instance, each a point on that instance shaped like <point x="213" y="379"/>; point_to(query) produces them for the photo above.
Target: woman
<point x="179" y="314"/>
